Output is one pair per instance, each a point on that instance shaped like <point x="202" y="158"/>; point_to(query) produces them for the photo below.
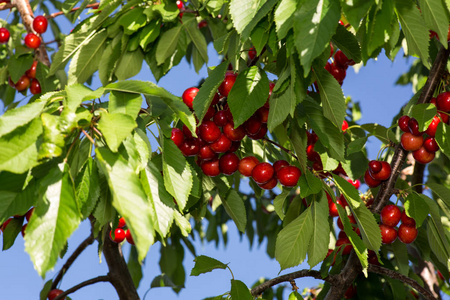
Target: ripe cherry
<point x="202" y="24"/>
<point x="222" y="145"/>
<point x="443" y="101"/>
<point x="253" y="125"/>
<point x="344" y="126"/>
<point x="356" y="184"/>
<point x="423" y="156"/>
<point x="403" y="123"/>
<point x="337" y="72"/>
<point x="209" y="113"/>
<point x="54" y="293"/>
<point x="280" y="164"/>
<point x="430" y="144"/>
<point x="411" y="142"/>
<point x="35" y="87"/>
<point x="228" y="163"/>
<point x="234" y="134"/>
<point x="375" y="166"/>
<point x="414" y="127"/>
<point x="180" y="5"/>
<point x="372" y="183"/>
<point x="40" y="24"/>
<point x="210" y="167"/>
<point x="23" y="83"/>
<point x="122" y="223"/>
<point x="263" y="114"/>
<point x="177" y="136"/>
<point x="271" y="86"/>
<point x="312" y="137"/>
<point x="247" y="164"/>
<point x="407" y="220"/>
<point x="384" y="173"/>
<point x="289" y="176"/>
<point x="190" y="147"/>
<point x="31" y="72"/>
<point x="227" y="84"/>
<point x="129" y="237"/>
<point x="407" y="234"/>
<point x="269" y="184"/>
<point x="351" y="218"/>
<point x="252" y="53"/>
<point x="345" y="242"/>
<point x="263" y="172"/>
<point x="235" y="145"/>
<point x="209" y="132"/>
<point x="390" y="215"/>
<point x="341" y="60"/>
<point x="388" y="234"/>
<point x="221" y="117"/>
<point x="431" y="130"/>
<point x="119" y="235"/>
<point x="189" y="96"/>
<point x="32" y="41"/>
<point x="4" y="35"/>
<point x="206" y="153"/>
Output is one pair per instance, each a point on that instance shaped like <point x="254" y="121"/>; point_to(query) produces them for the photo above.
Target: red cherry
<point x="263" y="114"/>
<point x="206" y="153"/>
<point x="189" y="96"/>
<point x="443" y="101"/>
<point x="23" y="83"/>
<point x="423" y="156"/>
<point x="411" y="142"/>
<point x="122" y="223"/>
<point x="54" y="293"/>
<point x="253" y="125"/>
<point x="414" y="127"/>
<point x="187" y="133"/>
<point x="407" y="234"/>
<point x="312" y="137"/>
<point x="119" y="235"/>
<point x="344" y="126"/>
<point x="190" y="147"/>
<point x="384" y="174"/>
<point x="35" y="87"/>
<point x="375" y="166"/>
<point x="261" y="133"/>
<point x="227" y="84"/>
<point x="356" y="184"/>
<point x="403" y="123"/>
<point x="373" y="259"/>
<point x="332" y="208"/>
<point x="4" y="35"/>
<point x="430" y="144"/>
<point x="210" y="168"/>
<point x="32" y="41"/>
<point x="222" y="145"/>
<point x="269" y="184"/>
<point x="180" y="5"/>
<point x="289" y="175"/>
<point x="263" y="172"/>
<point x="228" y="163"/>
<point x="279" y="164"/>
<point x="337" y="72"/>
<point x="350" y="218"/>
<point x="444" y="117"/>
<point x="252" y="53"/>
<point x="40" y="24"/>
<point x="347" y="245"/>
<point x="390" y="215"/>
<point x="221" y="117"/>
<point x="431" y="130"/>
<point x="407" y="220"/>
<point x="210" y="113"/>
<point x="29" y="214"/>
<point x="177" y="136"/>
<point x="247" y="164"/>
<point x="350" y="292"/>
<point x="202" y="24"/>
<point x="31" y="72"/>
<point x="234" y="134"/>
<point x="372" y="183"/>
<point x="341" y="60"/>
<point x="209" y="132"/>
<point x="235" y="146"/>
<point x="129" y="237"/>
<point x="388" y="234"/>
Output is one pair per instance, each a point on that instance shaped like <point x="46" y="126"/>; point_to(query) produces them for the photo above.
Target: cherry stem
<point x="71" y="146"/>
<point x="53" y="15"/>
<point x="88" y="136"/>
<point x="281" y="147"/>
<point x="232" y="275"/>
<point x="104" y="278"/>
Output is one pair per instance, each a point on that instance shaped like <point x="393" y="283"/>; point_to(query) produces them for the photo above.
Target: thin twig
<point x="53" y="15"/>
<point x="104" y="278"/>
<point x="5" y="6"/>
<point x="88" y="136"/>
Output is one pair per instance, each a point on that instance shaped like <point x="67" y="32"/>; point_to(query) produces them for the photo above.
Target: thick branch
<point x="88" y="241"/>
<point x="5" y="6"/>
<point x="287" y="278"/>
<point x="395" y="275"/>
<point x="104" y="278"/>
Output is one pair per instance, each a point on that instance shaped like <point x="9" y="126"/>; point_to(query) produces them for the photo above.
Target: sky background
<point x="380" y="99"/>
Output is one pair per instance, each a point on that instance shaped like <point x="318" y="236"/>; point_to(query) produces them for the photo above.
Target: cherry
<point x="350" y="292"/>
<point x="235" y="146"/>
<point x="228" y="163"/>
<point x="390" y="215"/>
<point x="372" y="258"/>
<point x="388" y="234"/>
<point x="210" y="113"/>
<point x="23" y="83"/>
<point x="190" y="147"/>
<point x="375" y="166"/>
<point x="187" y="133"/>
<point x="252" y="53"/>
<point x="342" y="234"/>
<point x="222" y="145"/>
<point x="122" y="223"/>
<point x="332" y="209"/>
<point x="279" y="164"/>
<point x="119" y="235"/>
<point x="189" y="95"/>
<point x="29" y="214"/>
<point x="443" y="101"/>
<point x="411" y="142"/>
<point x="356" y="184"/>
<point x="210" y="167"/>
<point x="312" y="138"/>
<point x="289" y="175"/>
<point x="431" y="130"/>
<point x="263" y="172"/>
<point x="54" y="293"/>
<point x="32" y="41"/>
<point x="261" y="133"/>
<point x="40" y="24"/>
<point x="209" y="132"/>
<point x="414" y="127"/>
<point x="444" y="117"/>
<point x="430" y="144"/>
<point x="227" y="84"/>
<point x="35" y="87"/>
<point x="269" y="184"/>
<point x="263" y="114"/>
<point x="177" y="136"/>
<point x="350" y="218"/>
<point x="221" y="117"/>
<point x="253" y="125"/>
<point x="180" y="5"/>
<point x="4" y="35"/>
<point x="31" y="72"/>
<point x="348" y="246"/>
<point x="407" y="234"/>
<point x="423" y="156"/>
<point x="341" y="60"/>
<point x="344" y="126"/>
<point x="337" y="72"/>
<point x="403" y="123"/>
<point x="384" y="173"/>
<point x="206" y="153"/>
<point x="234" y="134"/>
<point x="247" y="164"/>
<point x="129" y="237"/>
<point x="372" y="183"/>
<point x="407" y="220"/>
<point x="271" y="86"/>
<point x="202" y="24"/>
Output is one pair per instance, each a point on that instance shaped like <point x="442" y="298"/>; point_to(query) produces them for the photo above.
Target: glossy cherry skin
<point x="129" y="237"/>
<point x="344" y="126"/>
<point x="289" y="176"/>
<point x="228" y="163"/>
<point x="40" y="24"/>
<point x="235" y="145"/>
<point x="190" y="147"/>
<point x="221" y="117"/>
<point x="384" y="174"/>
<point x="4" y="35"/>
<point x="263" y="172"/>
<point x="180" y="5"/>
<point x="209" y="132"/>
<point x="430" y="144"/>
<point x="263" y="114"/>
<point x="189" y="96"/>
<point x="347" y="245"/>
<point x="407" y="234"/>
<point x="234" y="134"/>
<point x="177" y="136"/>
<point x="23" y="83"/>
<point x="375" y="166"/>
<point x="414" y="127"/>
<point x="31" y="72"/>
<point x="337" y="72"/>
<point x="411" y="142"/>
<point x="32" y="41"/>
<point x="372" y="183"/>
<point x="261" y="133"/>
<point x="443" y="101"/>
<point x="407" y="220"/>
<point x="122" y="223"/>
<point x="356" y="184"/>
<point x="209" y="113"/>
<point x="227" y="84"/>
<point x="403" y="123"/>
<point x="431" y="130"/>
<point x="341" y="59"/>
<point x="269" y="184"/>
<point x="253" y="125"/>
<point x="210" y="168"/>
<point x="280" y="164"/>
<point x="247" y="164"/>
<point x="35" y="87"/>
<point x="119" y="235"/>
<point x="206" y="153"/>
<point x="388" y="234"/>
<point x="390" y="215"/>
<point x="222" y="145"/>
<point x="54" y="293"/>
<point x="312" y="137"/>
<point x="423" y="156"/>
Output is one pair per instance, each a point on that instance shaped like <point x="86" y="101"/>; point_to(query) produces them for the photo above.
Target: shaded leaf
<point x="234" y="206"/>
<point x="205" y="264"/>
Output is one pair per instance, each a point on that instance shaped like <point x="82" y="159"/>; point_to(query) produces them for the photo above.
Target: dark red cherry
<point x="210" y="168"/>
<point x="431" y="130"/>
<point x="222" y="144"/>
<point x="32" y="41"/>
<point x="289" y="175"/>
<point x="177" y="136"/>
<point x="390" y="215"/>
<point x="411" y="142"/>
<point x="228" y="163"/>
<point x="414" y="127"/>
<point x="269" y="184"/>
<point x="221" y="118"/>
<point x="40" y="24"/>
<point x="403" y="123"/>
<point x="253" y="125"/>
<point x="423" y="156"/>
<point x="388" y="234"/>
<point x="227" y="84"/>
<point x="407" y="220"/>
<point x="206" y="153"/>
<point x="407" y="234"/>
<point x="384" y="173"/>
<point x="430" y="144"/>
<point x="263" y="172"/>
<point x="234" y="134"/>
<point x="443" y="101"/>
<point x="190" y="147"/>
<point x="375" y="166"/>
<point x="247" y="164"/>
<point x="209" y="132"/>
<point x="280" y="164"/>
<point x="372" y="183"/>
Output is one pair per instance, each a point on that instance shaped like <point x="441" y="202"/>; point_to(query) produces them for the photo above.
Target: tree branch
<point x="104" y="278"/>
<point x="59" y="13"/>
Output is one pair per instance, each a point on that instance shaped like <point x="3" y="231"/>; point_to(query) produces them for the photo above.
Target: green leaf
<point x="11" y="232"/>
<point x="292" y="241"/>
<point x="19" y="148"/>
<point x="235" y="208"/>
<point x="55" y="218"/>
<point x="85" y="62"/>
<point x="177" y="173"/>
<point x="320" y="238"/>
<point x="111" y="56"/>
<point x="332" y="97"/>
<point x="401" y="257"/>
<point x="436" y="18"/>
<point x="280" y="107"/>
<point x="87" y="188"/>
<point x="134" y="267"/>
<point x="378" y="26"/>
<point x="239" y="291"/>
<point x="284" y="17"/>
<point x="347" y="43"/>
<point x="132" y="20"/>
<point x="299" y="141"/>
<point x="17" y="203"/>
<point x="279" y="201"/>
<point x="424" y="114"/>
<point x="125" y="103"/>
<point x="413" y="27"/>
<point x="205" y="264"/>
<point x="208" y="90"/>
<point x="443" y="138"/>
<point x="197" y="38"/>
<point x="249" y="93"/>
<point x="416" y="208"/>
<point x="380" y="132"/>
<point x="129" y="65"/>
<point x="441" y="191"/>
<point x="355" y="10"/>
<point x="314" y="24"/>
<point x="356" y="145"/>
<point x="242" y="12"/>
<point x="149" y="34"/>
<point x="167" y="44"/>
<point x="128" y="198"/>
<point x="295" y="296"/>
<point x="309" y="184"/>
<point x="18" y="65"/>
<point x="261" y="13"/>
<point x="75" y="95"/>
<point x="116" y="128"/>
<point x="20" y="116"/>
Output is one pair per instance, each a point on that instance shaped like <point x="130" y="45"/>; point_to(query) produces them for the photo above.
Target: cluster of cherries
<point x="390" y="217"/>
<point x="377" y="172"/>
<point x="120" y="234"/>
<point x="218" y="140"/>
<point x="424" y="148"/>
<point x="24" y="226"/>
<point x="338" y="68"/>
<point x="27" y="80"/>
